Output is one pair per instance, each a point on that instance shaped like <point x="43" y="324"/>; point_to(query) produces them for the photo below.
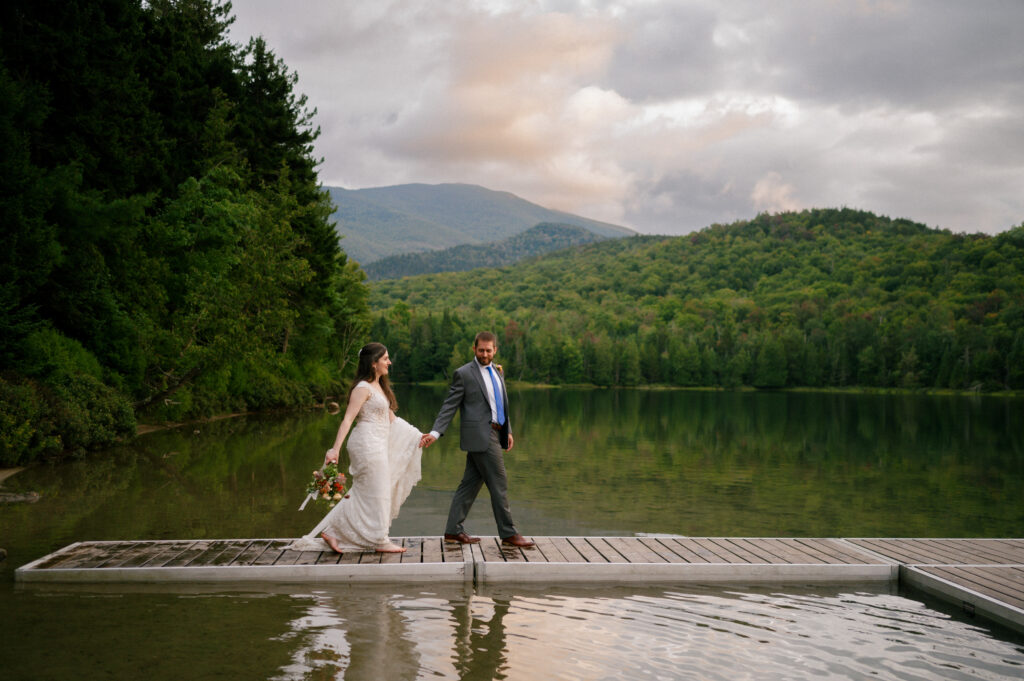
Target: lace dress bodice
<point x="384" y="464"/>
<point x="375" y="411"/>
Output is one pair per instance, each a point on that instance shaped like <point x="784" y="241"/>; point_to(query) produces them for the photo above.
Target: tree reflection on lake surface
<point x="586" y="462"/>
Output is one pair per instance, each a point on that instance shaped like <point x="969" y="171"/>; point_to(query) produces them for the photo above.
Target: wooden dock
<point x="984" y="576"/>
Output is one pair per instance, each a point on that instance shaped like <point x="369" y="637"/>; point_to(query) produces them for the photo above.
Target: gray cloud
<point x="669" y="116"/>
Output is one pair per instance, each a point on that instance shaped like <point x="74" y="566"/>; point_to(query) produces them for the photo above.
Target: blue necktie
<point x="497" y="396"/>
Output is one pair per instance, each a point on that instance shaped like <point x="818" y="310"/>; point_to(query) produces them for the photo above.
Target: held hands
<point x="426" y="440"/>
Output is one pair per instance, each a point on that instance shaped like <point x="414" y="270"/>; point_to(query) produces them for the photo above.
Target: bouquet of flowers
<point x="327" y="485"/>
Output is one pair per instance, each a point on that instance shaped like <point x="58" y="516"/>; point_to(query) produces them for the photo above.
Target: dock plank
<point x="820" y="548"/>
<point x="663" y="552"/>
<point x="350" y="558"/>
<point x="452" y="551"/>
<point x="390" y="558"/>
<point x="980" y="580"/>
<point x="601" y="545"/>
<point x="288" y="557"/>
<point x="432" y="551"/>
<point x="1005" y="579"/>
<point x="1013" y="547"/>
<point x="633" y="550"/>
<point x="271" y="553"/>
<point x="252" y="552"/>
<point x="974" y="551"/>
<point x="188" y="555"/>
<point x="230" y="552"/>
<point x="589" y="553"/>
<point x="413" y="550"/>
<point x="902" y="550"/>
<point x="168" y="552"/>
<point x="135" y="556"/>
<point x="842" y="552"/>
<point x="778" y="551"/>
<point x="207" y="557"/>
<point x="802" y="554"/>
<point x="569" y="552"/>
<point x="718" y="553"/>
<point x="546" y="551"/>
<point x="687" y="550"/>
<point x="328" y="558"/>
<point x="516" y="554"/>
<point x="737" y="548"/>
<point x="490" y="550"/>
<point x="946" y="554"/>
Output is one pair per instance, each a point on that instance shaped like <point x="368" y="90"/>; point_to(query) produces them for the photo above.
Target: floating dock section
<point x="984" y="576"/>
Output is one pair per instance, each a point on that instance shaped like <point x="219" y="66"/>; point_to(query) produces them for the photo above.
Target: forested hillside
<point x="409" y="218"/>
<point x="817" y="298"/>
<point x="542" y="238"/>
<point x="167" y="249"/>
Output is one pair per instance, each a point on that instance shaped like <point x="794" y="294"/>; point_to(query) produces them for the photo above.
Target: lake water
<point x="587" y="462"/>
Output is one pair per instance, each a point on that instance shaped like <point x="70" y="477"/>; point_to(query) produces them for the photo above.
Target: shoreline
<point x="852" y="390"/>
<point x="146" y="428"/>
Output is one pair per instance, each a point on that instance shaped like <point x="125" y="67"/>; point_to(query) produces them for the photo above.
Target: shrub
<point x="26" y="424"/>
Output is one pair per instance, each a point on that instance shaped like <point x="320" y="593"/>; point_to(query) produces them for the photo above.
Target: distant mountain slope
<point x="543" y="238"/>
<point x="412" y="218"/>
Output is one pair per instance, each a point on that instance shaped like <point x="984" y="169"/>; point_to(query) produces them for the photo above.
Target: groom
<point x="478" y="393"/>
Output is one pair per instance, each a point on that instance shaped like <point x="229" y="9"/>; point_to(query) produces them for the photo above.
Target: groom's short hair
<point x="486" y="337"/>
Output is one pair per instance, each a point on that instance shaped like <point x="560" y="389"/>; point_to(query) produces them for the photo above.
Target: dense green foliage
<point x="167" y="248"/>
<point x="817" y="298"/>
<point x="537" y="240"/>
<point x="409" y="218"/>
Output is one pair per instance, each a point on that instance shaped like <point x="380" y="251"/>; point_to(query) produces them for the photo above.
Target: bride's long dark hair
<point x="368" y="356"/>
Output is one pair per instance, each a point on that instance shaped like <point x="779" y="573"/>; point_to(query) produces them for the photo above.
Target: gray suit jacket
<point x="468" y="396"/>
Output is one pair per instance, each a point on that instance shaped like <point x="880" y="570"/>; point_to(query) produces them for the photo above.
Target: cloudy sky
<point x="667" y="116"/>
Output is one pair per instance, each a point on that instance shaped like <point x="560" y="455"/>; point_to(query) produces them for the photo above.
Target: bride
<point x="385" y="464"/>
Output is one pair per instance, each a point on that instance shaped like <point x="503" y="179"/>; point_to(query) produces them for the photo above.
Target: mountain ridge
<point x="378" y="222"/>
<point x="540" y="239"/>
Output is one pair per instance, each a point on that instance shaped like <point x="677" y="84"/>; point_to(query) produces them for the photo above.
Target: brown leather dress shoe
<point x="517" y="540"/>
<point x="461" y="538"/>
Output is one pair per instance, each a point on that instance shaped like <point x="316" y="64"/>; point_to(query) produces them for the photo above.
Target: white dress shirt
<point x="485" y="372"/>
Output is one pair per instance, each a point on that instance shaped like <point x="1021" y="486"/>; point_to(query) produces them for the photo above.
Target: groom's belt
<point x="495" y="426"/>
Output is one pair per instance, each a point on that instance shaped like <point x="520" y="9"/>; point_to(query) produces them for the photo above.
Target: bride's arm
<point x="355" y="402"/>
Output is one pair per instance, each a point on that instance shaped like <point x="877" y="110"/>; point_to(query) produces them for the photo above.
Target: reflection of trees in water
<point x="763" y="464"/>
<point x="618" y="461"/>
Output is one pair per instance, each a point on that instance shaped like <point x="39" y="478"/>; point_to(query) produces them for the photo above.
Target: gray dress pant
<point x="483" y="468"/>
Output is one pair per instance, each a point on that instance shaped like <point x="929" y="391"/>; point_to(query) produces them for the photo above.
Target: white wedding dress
<point x="384" y="467"/>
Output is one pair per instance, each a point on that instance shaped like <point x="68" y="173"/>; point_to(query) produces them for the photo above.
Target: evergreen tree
<point x="168" y="242"/>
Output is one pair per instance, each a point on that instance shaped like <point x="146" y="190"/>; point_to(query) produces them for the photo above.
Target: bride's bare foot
<point x="391" y="548"/>
<point x="331" y="541"/>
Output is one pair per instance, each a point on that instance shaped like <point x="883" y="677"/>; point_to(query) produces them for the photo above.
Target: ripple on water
<point x="609" y="633"/>
<point x="751" y="633"/>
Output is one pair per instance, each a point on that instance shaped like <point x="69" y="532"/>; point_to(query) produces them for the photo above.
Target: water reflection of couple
<point x="385" y="451"/>
<point x="389" y="637"/>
